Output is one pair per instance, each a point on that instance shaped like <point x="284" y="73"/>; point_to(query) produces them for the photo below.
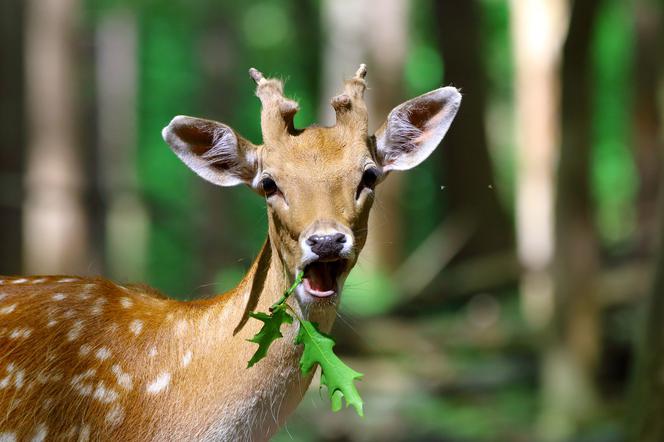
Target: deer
<point x="85" y="358"/>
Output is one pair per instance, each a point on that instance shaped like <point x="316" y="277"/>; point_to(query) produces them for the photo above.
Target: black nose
<point x="326" y="246"/>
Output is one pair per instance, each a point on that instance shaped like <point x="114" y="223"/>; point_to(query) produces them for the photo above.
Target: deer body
<point x="88" y="359"/>
<point x="93" y="359"/>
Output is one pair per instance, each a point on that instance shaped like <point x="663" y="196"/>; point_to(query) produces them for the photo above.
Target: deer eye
<point x="369" y="180"/>
<point x="269" y="186"/>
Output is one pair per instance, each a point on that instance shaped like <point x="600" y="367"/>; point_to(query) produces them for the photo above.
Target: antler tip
<point x="256" y="75"/>
<point x="361" y="71"/>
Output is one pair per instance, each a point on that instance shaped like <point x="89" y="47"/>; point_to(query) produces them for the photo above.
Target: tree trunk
<point x="646" y="117"/>
<point x="465" y="159"/>
<point x="570" y="358"/>
<point x="537" y="30"/>
<point x="12" y="127"/>
<point x="124" y="220"/>
<point x="647" y="401"/>
<point x="647" y="404"/>
<point x="55" y="236"/>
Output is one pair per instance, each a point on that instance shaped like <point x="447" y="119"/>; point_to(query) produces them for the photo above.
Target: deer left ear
<point x="213" y="150"/>
<point x="414" y="129"/>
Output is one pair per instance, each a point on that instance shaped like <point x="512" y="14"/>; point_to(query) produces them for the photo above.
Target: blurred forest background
<point x="511" y="289"/>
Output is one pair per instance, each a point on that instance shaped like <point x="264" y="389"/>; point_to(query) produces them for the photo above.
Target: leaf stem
<point x="287" y="293"/>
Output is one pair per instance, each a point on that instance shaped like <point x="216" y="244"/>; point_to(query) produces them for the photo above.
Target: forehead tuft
<point x="320" y="144"/>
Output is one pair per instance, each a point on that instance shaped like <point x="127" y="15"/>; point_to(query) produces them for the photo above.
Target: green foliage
<point x="318" y="349"/>
<point x="336" y="376"/>
<point x="423" y="69"/>
<point x="368" y="293"/>
<point x="168" y="75"/>
<point x="229" y="277"/>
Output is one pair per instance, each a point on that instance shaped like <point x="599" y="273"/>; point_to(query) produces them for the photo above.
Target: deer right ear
<point x="213" y="150"/>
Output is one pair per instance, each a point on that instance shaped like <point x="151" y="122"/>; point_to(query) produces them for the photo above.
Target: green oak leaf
<point x="338" y="377"/>
<point x="269" y="332"/>
<point x="271" y="329"/>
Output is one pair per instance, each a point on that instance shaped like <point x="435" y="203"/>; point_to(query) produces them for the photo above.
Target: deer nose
<point x="326" y="246"/>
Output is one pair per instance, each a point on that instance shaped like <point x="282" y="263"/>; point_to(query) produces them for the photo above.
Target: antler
<point x="349" y="106"/>
<point x="277" y="111"/>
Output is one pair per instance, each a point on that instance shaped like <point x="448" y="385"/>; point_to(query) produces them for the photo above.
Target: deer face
<point x="318" y="182"/>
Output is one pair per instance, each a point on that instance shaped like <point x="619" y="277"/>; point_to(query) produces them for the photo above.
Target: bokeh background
<point x="510" y="289"/>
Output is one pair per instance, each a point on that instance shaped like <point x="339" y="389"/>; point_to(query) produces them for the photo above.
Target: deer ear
<point x="414" y="129"/>
<point x="212" y="150"/>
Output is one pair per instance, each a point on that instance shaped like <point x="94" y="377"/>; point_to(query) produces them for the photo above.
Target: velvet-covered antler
<point x="277" y="111"/>
<point x="349" y="106"/>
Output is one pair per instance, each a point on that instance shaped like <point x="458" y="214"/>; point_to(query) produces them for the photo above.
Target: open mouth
<point x="321" y="277"/>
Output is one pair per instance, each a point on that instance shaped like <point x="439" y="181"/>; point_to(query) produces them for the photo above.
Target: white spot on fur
<point x="46" y="405"/>
<point x="105" y="395"/>
<point x="21" y="332"/>
<point x="75" y="330"/>
<point x="88" y="290"/>
<point x="41" y="433"/>
<point x="8" y="309"/>
<point x="103" y="353"/>
<point x="85" y="350"/>
<point x="2" y="296"/>
<point x="115" y="415"/>
<point x="136" y="326"/>
<point x="152" y="352"/>
<point x="126" y="302"/>
<point x="51" y="323"/>
<point x="18" y="378"/>
<point x="159" y="384"/>
<point x="38" y="281"/>
<point x="84" y="389"/>
<point x="64" y="280"/>
<point x="68" y="314"/>
<point x="98" y="306"/>
<point x="84" y="436"/>
<point x="186" y="359"/>
<point x="7" y="437"/>
<point x="20" y="281"/>
<point x="123" y="379"/>
<point x="58" y="296"/>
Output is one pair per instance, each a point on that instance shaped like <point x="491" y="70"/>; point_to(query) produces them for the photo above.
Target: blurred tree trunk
<point x="646" y="117"/>
<point x="359" y="32"/>
<point x="123" y="221"/>
<point x="647" y="404"/>
<point x="12" y="128"/>
<point x="571" y="356"/>
<point x="647" y="400"/>
<point x="537" y="30"/>
<point x="387" y="28"/>
<point x="55" y="236"/>
<point x="465" y="160"/>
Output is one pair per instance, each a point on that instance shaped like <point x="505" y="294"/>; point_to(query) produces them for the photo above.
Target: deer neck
<point x="271" y="389"/>
<point x="263" y="285"/>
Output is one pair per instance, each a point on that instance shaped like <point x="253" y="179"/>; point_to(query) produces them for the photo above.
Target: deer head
<point x="318" y="182"/>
